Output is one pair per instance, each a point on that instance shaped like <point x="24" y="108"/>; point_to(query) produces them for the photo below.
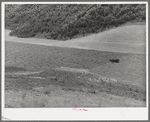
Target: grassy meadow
<point x="50" y="87"/>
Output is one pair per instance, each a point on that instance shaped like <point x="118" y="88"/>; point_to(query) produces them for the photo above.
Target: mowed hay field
<point x="53" y="76"/>
<point x="20" y="57"/>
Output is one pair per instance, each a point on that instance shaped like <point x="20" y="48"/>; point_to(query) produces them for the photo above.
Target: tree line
<point x="66" y="21"/>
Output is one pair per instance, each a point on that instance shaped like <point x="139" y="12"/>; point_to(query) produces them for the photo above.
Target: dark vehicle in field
<point x="114" y="60"/>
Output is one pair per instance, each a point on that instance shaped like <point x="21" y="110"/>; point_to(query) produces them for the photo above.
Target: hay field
<point x="33" y="77"/>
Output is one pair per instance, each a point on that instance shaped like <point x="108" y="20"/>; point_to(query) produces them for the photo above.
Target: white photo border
<point x="140" y="113"/>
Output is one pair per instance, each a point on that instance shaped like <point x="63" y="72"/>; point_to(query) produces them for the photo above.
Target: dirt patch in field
<point x="73" y="70"/>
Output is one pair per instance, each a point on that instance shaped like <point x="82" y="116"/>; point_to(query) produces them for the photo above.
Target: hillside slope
<point x="125" y="39"/>
<point x="66" y="21"/>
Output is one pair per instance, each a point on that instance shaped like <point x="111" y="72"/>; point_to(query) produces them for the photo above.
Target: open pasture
<point x="20" y="57"/>
<point x="79" y="72"/>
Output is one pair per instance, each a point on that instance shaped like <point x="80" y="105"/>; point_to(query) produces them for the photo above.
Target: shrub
<point x="66" y="21"/>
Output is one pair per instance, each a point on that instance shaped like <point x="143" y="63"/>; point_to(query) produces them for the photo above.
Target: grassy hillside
<point x="66" y="21"/>
<point x="36" y="57"/>
<point x="45" y="61"/>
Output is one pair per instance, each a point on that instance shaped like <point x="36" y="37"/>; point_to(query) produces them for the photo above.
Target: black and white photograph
<point x="77" y="56"/>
